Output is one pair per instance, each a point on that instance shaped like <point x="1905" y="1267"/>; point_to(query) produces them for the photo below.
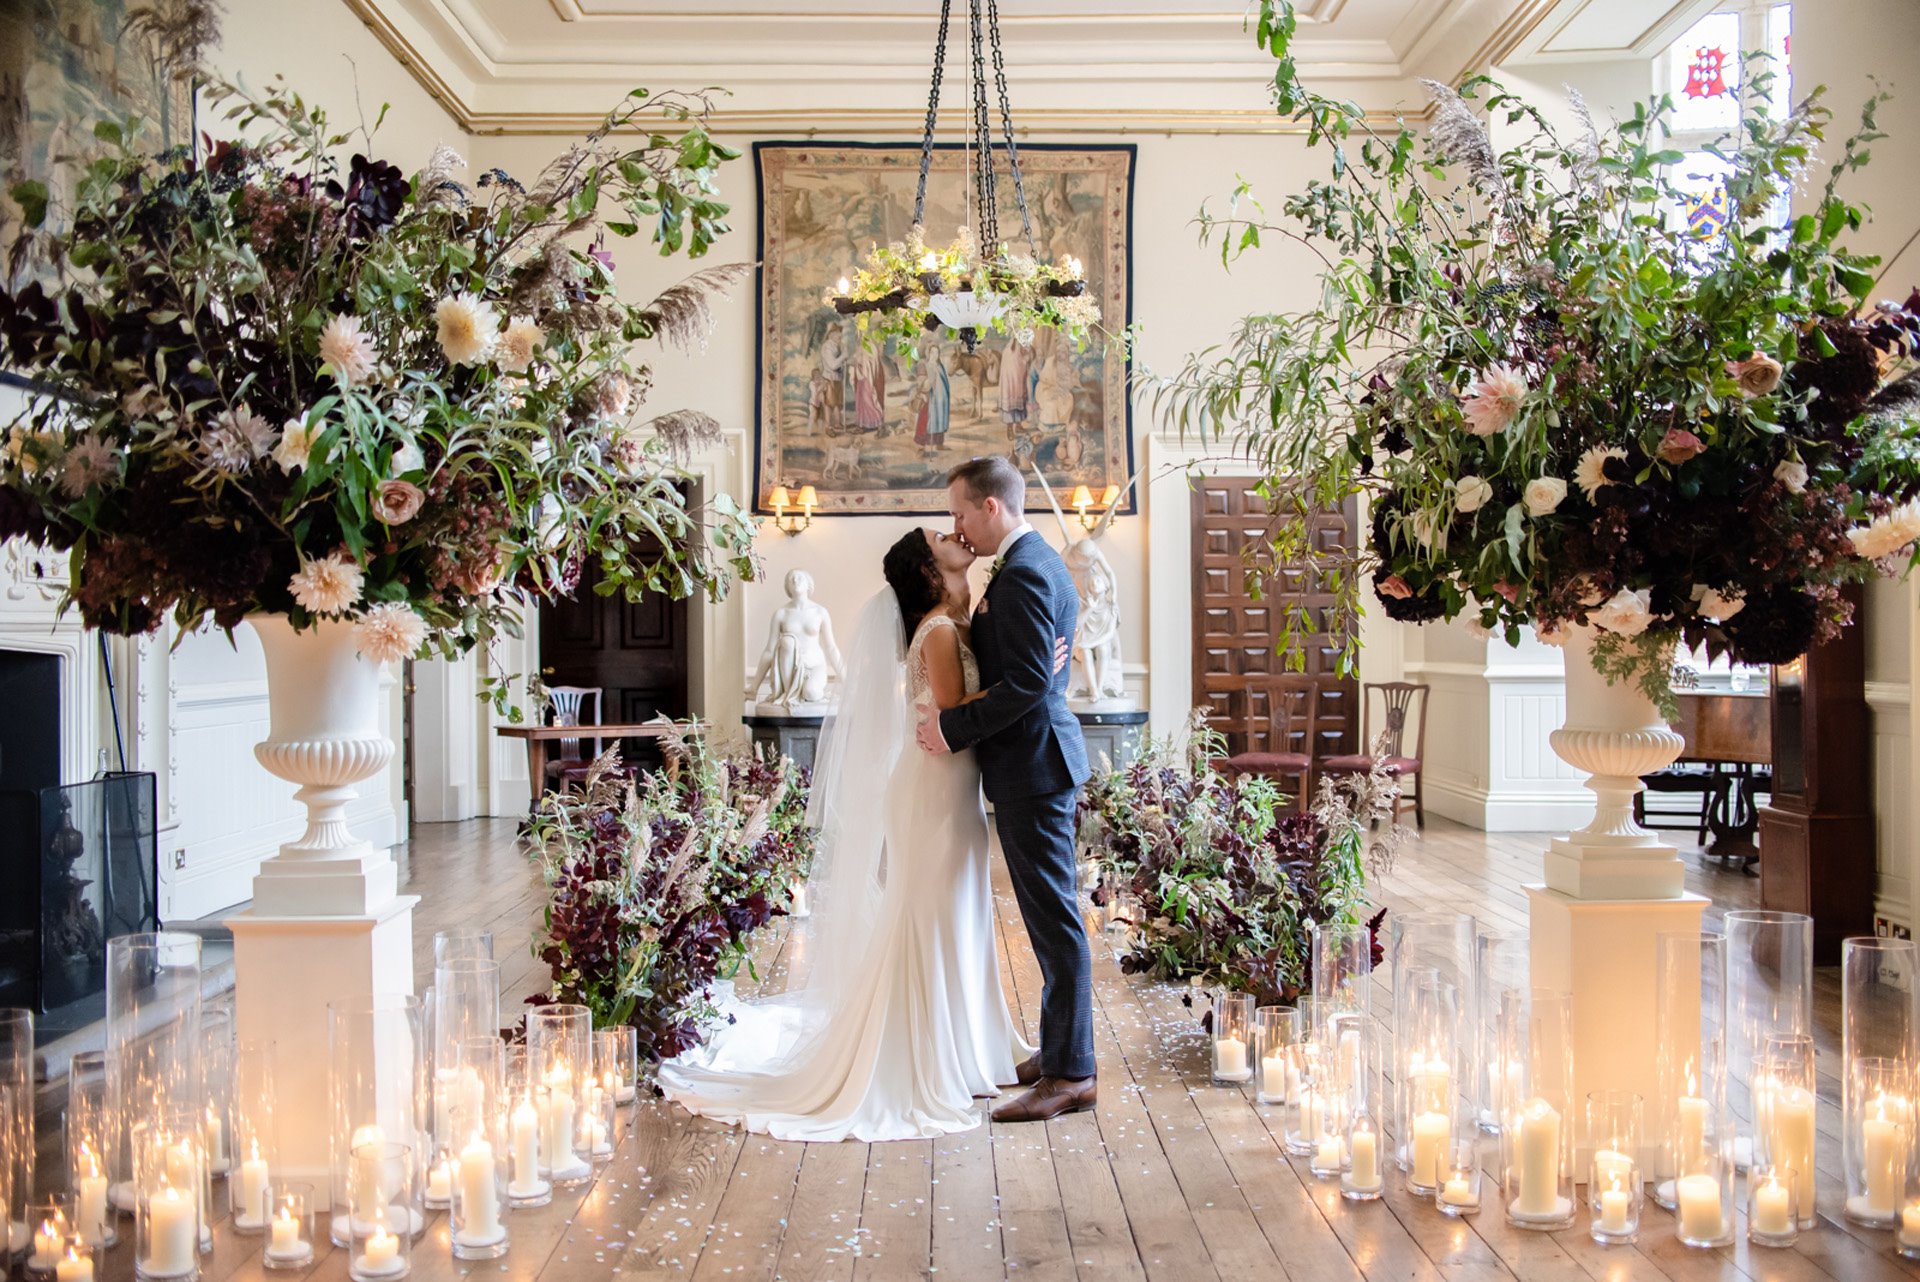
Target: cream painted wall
<point x="1848" y="48"/>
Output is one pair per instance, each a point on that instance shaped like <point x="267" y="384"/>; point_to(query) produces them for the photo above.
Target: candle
<point x="368" y="1191"/>
<point x="1612" y="1169"/>
<point x="173" y="1233"/>
<point x="73" y="1268"/>
<point x="1884" y="1142"/>
<point x="251" y="1208"/>
<point x="1431" y="1134"/>
<point x="1538" y="1157"/>
<point x="623" y="1091"/>
<point x="92" y="1210"/>
<point x="48" y="1243"/>
<point x="526" y="1149"/>
<point x="1230" y="1059"/>
<point x="217" y="1155"/>
<point x="1699" y="1197"/>
<point x="556" y="1136"/>
<point x="799" y="899"/>
<point x="286" y="1243"/>
<point x="1791" y="1130"/>
<point x="1458" y="1190"/>
<point x="479" y="1202"/>
<point x="1614" y="1205"/>
<point x="1366" y="1161"/>
<point x="1432" y="1084"/>
<point x="1310" y="1112"/>
<point x="381" y="1253"/>
<point x="1772" y="1208"/>
<point x="1330" y="1155"/>
<point x="183" y="1164"/>
<point x="1273" y="1077"/>
<point x="1691" y="1147"/>
<point x="1909" y="1234"/>
<point x="440" y="1182"/>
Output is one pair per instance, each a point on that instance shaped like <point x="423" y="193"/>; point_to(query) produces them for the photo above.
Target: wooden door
<point x="1236" y="633"/>
<point x="634" y="651"/>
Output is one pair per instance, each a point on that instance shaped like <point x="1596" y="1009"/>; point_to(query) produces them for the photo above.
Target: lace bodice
<point x="917" y="664"/>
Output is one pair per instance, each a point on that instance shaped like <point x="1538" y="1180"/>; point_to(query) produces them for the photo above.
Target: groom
<point x="1032" y="763"/>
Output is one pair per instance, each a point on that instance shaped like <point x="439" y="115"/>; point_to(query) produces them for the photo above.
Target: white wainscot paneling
<point x="1889" y="707"/>
<point x="1530" y="788"/>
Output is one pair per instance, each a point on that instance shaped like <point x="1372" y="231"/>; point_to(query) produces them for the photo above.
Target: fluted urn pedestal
<point x="1611" y="889"/>
<point x="325" y="924"/>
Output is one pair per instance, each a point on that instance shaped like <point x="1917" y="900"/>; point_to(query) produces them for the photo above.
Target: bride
<point x="900" y="1022"/>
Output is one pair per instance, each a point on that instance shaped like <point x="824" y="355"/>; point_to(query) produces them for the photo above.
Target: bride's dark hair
<point x="915" y="579"/>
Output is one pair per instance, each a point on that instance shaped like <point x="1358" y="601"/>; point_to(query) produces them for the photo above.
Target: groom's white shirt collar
<point x="1013" y="537"/>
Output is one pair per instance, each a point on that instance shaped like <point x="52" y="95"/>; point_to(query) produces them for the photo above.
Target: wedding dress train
<point x="902" y="1022"/>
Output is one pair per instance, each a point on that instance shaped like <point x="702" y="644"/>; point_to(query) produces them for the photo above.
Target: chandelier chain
<point x="1006" y="125"/>
<point x="989" y="217"/>
<point x="933" y="112"/>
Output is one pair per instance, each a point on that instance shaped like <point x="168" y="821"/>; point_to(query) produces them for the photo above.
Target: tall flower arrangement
<point x="1229" y="881"/>
<point x="270" y="379"/>
<point x="1568" y="407"/>
<point x="656" y="888"/>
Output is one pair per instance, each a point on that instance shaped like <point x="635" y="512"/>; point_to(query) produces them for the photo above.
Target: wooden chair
<point x="569" y="707"/>
<point x="1274" y="732"/>
<point x="1401" y="702"/>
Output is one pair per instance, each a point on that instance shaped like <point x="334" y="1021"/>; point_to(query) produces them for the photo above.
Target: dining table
<point x="538" y="737"/>
<point x="1732" y="731"/>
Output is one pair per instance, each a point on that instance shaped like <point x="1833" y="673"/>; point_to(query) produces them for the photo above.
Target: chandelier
<point x="974" y="283"/>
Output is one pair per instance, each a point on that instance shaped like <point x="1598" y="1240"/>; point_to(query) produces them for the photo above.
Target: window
<point x="1702" y="71"/>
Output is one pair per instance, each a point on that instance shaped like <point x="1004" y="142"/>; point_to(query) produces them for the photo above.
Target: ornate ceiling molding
<point x="848" y="74"/>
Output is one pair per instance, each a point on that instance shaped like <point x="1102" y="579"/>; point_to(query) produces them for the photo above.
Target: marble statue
<point x="801" y="655"/>
<point x="1099" y="680"/>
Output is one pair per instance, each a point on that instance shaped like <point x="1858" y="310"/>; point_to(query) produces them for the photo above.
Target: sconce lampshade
<point x="809" y="498"/>
<point x="779" y="497"/>
<point x="1110" y="496"/>
<point x="1082" y="497"/>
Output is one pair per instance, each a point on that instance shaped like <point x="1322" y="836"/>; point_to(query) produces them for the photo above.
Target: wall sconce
<point x="1083" y="499"/>
<point x="780" y="500"/>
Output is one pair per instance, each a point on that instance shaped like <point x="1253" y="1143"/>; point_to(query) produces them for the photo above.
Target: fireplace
<point x="81" y="855"/>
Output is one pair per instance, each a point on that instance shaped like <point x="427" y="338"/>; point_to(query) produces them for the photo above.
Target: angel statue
<point x="1098" y="677"/>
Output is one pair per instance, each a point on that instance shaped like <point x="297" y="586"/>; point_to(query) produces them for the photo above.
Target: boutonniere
<point x="994" y="569"/>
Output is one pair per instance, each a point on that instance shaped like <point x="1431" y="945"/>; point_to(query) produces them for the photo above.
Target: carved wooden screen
<point x="1235" y="635"/>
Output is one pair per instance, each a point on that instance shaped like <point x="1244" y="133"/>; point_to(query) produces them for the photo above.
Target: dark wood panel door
<point x="634" y="651"/>
<point x="1238" y="619"/>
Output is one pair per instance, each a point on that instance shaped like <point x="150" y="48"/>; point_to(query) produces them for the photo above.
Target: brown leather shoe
<point x="1027" y="1071"/>
<point x="1049" y="1097"/>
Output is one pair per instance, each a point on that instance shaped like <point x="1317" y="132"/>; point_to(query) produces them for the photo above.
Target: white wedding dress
<point x="901" y="1021"/>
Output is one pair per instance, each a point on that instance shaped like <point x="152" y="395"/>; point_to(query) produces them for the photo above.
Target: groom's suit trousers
<point x="1036" y="836"/>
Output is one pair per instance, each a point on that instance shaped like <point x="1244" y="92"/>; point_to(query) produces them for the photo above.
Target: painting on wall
<point x="65" y="64"/>
<point x="875" y="432"/>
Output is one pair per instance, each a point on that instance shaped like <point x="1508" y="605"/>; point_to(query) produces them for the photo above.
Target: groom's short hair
<point x="994" y="476"/>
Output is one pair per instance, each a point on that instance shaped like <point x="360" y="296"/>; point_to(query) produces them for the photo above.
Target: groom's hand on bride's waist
<point x="929" y="733"/>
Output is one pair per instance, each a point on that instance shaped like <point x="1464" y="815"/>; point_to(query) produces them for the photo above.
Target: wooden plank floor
<point x="1170" y="1178"/>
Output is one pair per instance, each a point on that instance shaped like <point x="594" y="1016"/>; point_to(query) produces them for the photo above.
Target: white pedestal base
<point x="1602" y="952"/>
<point x="298" y="885"/>
<point x="286" y="970"/>
<point x="1635" y="870"/>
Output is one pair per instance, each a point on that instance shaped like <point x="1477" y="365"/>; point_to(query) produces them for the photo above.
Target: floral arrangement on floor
<point x="656" y="886"/>
<point x="1567" y="405"/>
<point x="887" y="297"/>
<point x="265" y="380"/>
<point x="1228" y="879"/>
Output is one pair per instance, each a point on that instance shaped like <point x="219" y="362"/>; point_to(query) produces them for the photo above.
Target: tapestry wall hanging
<point x="876" y="433"/>
<point x="63" y="65"/>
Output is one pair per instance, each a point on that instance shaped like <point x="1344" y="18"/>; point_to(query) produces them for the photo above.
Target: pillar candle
<point x="440" y="1182"/>
<point x="479" y="1200"/>
<point x="182" y="1165"/>
<point x="370" y="1191"/>
<point x="1330" y="1155"/>
<point x="286" y="1243"/>
<point x="623" y="1094"/>
<point x="799" y="908"/>
<point x="1690" y="1148"/>
<point x="1909" y="1232"/>
<point x="1884" y="1143"/>
<point x="1458" y="1190"/>
<point x="73" y="1268"/>
<point x="1699" y="1198"/>
<point x="252" y="1194"/>
<point x="382" y="1253"/>
<point x="1538" y="1157"/>
<point x="48" y="1243"/>
<point x="1772" y="1208"/>
<point x="1791" y="1130"/>
<point x="1431" y="1134"/>
<point x="1432" y="1084"/>
<point x="92" y="1209"/>
<point x="526" y="1148"/>
<point x="1615" y="1203"/>
<point x="1612" y="1169"/>
<point x="217" y="1156"/>
<point x="1230" y="1058"/>
<point x="1310" y="1119"/>
<point x="1366" y="1161"/>
<point x="1273" y="1077"/>
<point x="173" y="1233"/>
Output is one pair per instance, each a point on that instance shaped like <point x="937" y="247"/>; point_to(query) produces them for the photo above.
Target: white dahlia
<point x="347" y="349"/>
<point x="1590" y="472"/>
<point x="327" y="585"/>
<point x="517" y="346"/>
<point x="390" y="632"/>
<point x="469" y="328"/>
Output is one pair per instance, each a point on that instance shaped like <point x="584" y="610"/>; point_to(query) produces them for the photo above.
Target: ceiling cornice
<point x="1209" y="81"/>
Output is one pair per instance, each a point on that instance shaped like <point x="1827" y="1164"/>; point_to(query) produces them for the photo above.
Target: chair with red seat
<point x="1274" y="731"/>
<point x="1402" y="702"/>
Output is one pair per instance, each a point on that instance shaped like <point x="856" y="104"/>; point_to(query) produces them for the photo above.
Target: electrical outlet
<point x="1887" y="928"/>
<point x="179" y="859"/>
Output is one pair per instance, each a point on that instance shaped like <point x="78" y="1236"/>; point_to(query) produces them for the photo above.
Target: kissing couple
<point x="894" y="1022"/>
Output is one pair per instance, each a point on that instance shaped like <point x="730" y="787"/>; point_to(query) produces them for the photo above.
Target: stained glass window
<point x="1703" y="68"/>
